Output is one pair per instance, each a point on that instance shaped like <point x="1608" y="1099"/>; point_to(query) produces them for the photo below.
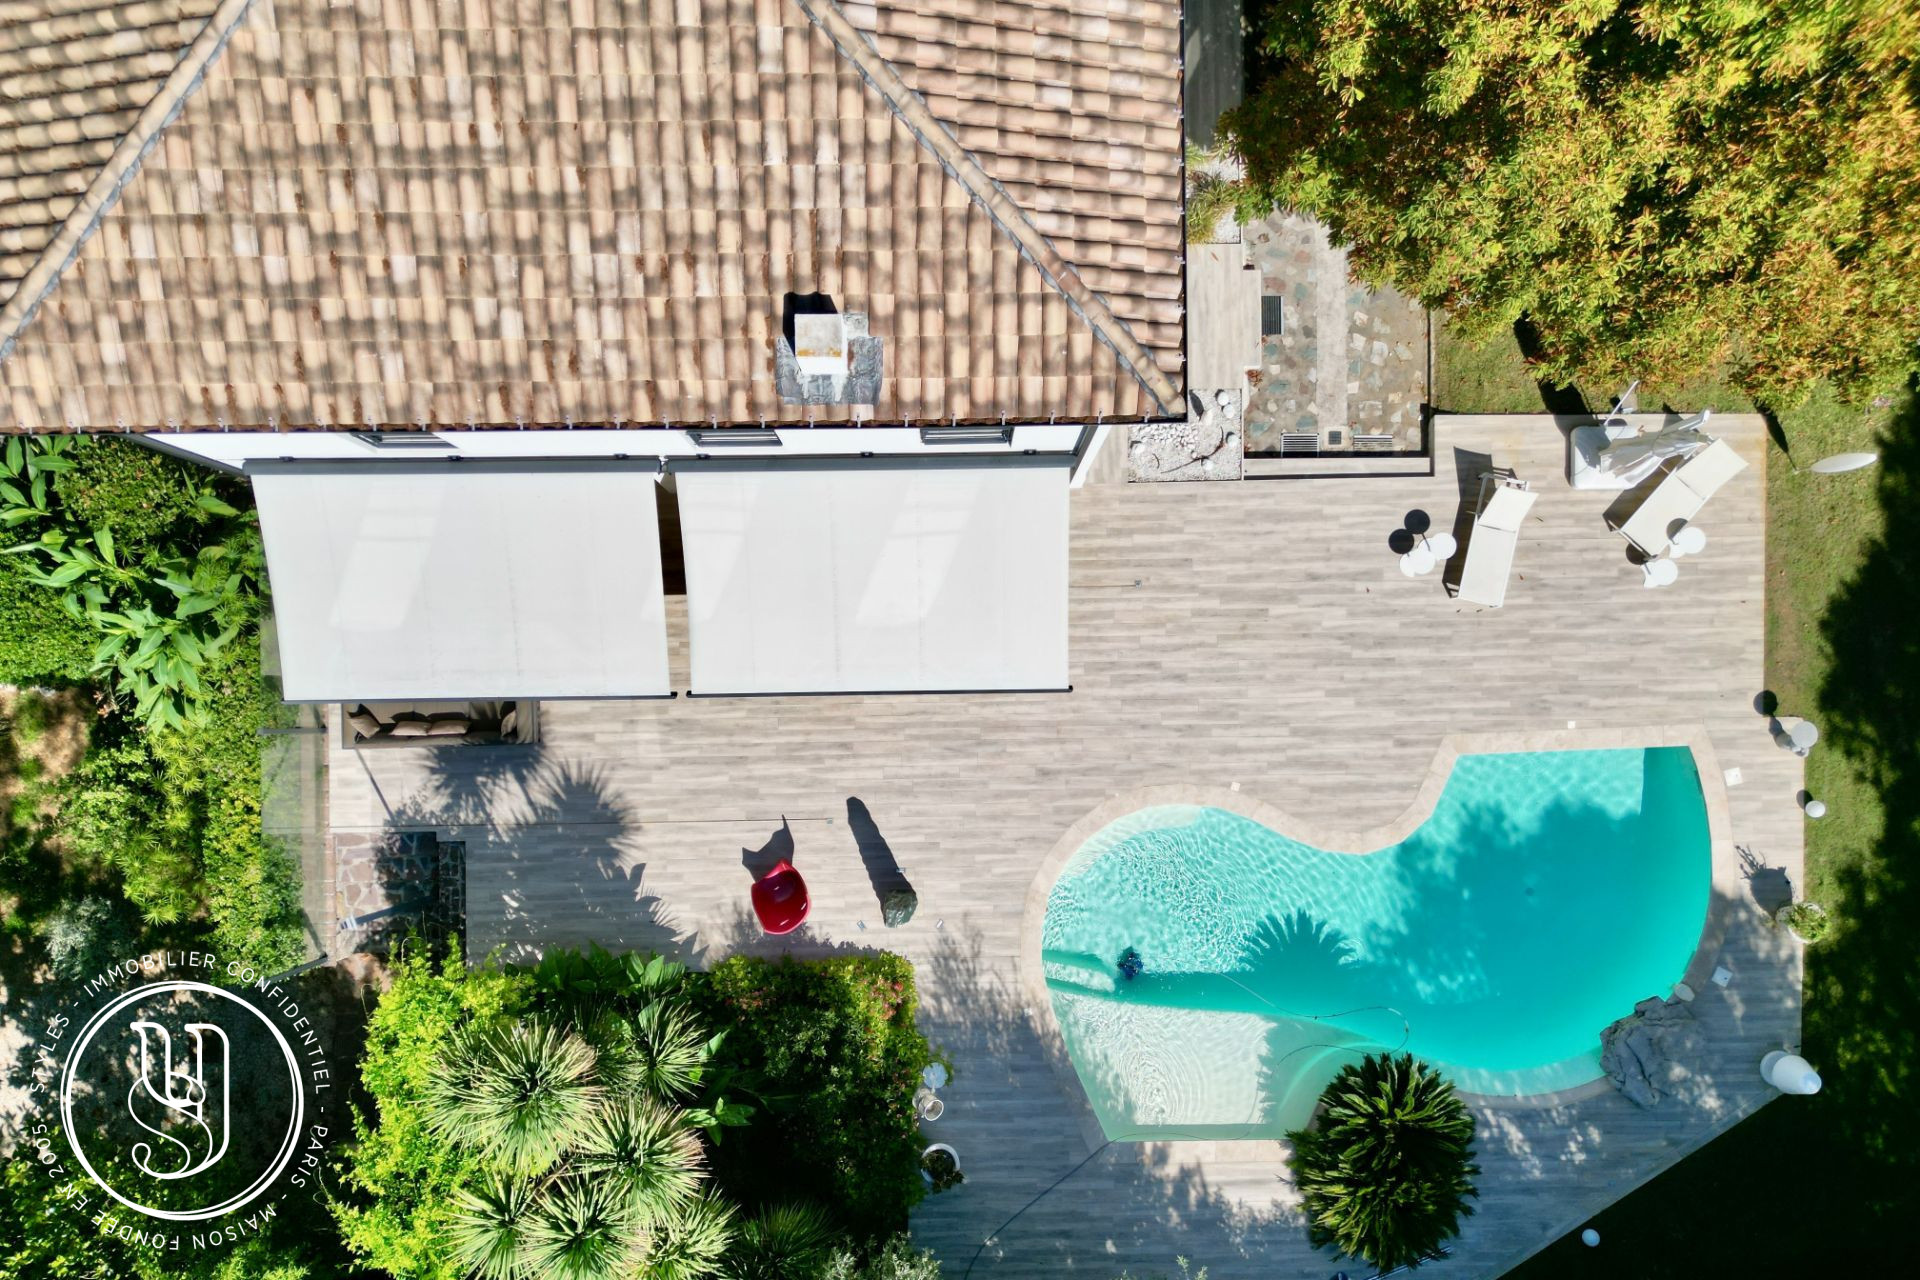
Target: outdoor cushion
<point x="364" y="722"/>
<point x="447" y="728"/>
<point x="1506" y="508"/>
<point x="509" y="722"/>
<point x="412" y="729"/>
<point x="1491" y="544"/>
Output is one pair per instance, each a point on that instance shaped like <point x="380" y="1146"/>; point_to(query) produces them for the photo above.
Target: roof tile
<point x="492" y="211"/>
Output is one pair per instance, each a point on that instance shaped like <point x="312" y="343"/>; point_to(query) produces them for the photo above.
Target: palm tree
<point x="662" y="1050"/>
<point x="646" y="1153"/>
<point x="782" y="1242"/>
<point x="691" y="1241"/>
<point x="520" y="1095"/>
<point x="580" y="1230"/>
<point x="1387" y="1169"/>
<point x="489" y="1227"/>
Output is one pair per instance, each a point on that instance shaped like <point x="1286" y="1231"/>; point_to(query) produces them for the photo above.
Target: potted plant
<point x="940" y="1166"/>
<point x="1807" y="921"/>
<point x="1386" y="1169"/>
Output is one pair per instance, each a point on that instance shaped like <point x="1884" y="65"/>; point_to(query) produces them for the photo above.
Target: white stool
<point x="1797" y="736"/>
<point x="1690" y="541"/>
<point x="1660" y="573"/>
<point x="1417" y="563"/>
<point x="1442" y="546"/>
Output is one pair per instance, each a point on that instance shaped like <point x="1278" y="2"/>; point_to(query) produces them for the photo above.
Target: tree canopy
<point x="1663" y="188"/>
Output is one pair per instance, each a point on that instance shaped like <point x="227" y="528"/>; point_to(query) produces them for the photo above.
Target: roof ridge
<point x="1007" y="214"/>
<point x="120" y="168"/>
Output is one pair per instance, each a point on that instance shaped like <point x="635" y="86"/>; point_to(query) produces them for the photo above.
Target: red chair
<point x="780" y="899"/>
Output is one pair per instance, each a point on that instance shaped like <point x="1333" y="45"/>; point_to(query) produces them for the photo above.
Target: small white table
<point x="1690" y="541"/>
<point x="1442" y="545"/>
<point x="1661" y="573"/>
<point x="1798" y="736"/>
<point x="1417" y="562"/>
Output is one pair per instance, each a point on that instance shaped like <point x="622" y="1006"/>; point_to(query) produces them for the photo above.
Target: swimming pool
<point x="1547" y="893"/>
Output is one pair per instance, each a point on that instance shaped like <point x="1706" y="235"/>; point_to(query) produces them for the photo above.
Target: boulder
<point x="1650" y="1052"/>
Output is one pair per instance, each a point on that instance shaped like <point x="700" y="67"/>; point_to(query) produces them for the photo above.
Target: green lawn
<point x="1492" y="377"/>
<point x="1489" y="377"/>
<point x="1829" y="1182"/>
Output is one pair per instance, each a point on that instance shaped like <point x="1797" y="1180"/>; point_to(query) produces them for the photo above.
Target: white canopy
<point x="437" y="579"/>
<point x="876" y="576"/>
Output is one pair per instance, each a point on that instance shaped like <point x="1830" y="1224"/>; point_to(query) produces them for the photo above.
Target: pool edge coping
<point x="1723" y="887"/>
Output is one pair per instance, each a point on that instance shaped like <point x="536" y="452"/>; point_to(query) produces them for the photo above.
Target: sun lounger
<point x="1504" y="502"/>
<point x="1679" y="497"/>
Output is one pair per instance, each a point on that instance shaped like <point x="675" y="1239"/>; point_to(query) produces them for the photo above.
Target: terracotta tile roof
<point x="74" y="75"/>
<point x="1073" y="106"/>
<point x="445" y="212"/>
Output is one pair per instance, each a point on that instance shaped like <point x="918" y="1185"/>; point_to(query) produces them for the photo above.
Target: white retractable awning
<point x="436" y="579"/>
<point x="876" y="576"/>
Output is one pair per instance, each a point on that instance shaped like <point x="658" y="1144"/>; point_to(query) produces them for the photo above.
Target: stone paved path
<point x="1348" y="360"/>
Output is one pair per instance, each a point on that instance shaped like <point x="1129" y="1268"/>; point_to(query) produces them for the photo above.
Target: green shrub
<point x="837" y="1038"/>
<point x="82" y="937"/>
<point x="1387" y="1169"/>
<point x="176" y="812"/>
<point x="213" y="785"/>
<point x="1210" y="197"/>
<point x="143" y="552"/>
<point x="782" y="1242"/>
<point x="144" y="497"/>
<point x="401" y="1180"/>
<point x="114" y="814"/>
<point x="896" y="1259"/>
<point x="516" y="1141"/>
<point x="1809" y="920"/>
<point x="40" y="642"/>
<point x="47" y="1239"/>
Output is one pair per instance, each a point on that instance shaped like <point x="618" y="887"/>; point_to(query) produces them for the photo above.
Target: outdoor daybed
<point x="1679" y="497"/>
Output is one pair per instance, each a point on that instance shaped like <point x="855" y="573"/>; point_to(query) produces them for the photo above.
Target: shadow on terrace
<point x="550" y="844"/>
<point x="1130" y="1206"/>
<point x="1831" y="1182"/>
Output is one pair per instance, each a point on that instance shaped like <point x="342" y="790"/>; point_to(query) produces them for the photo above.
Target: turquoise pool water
<point x="1545" y="896"/>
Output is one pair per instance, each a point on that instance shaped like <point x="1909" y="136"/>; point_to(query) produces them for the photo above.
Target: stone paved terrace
<point x="1348" y="359"/>
<point x="1300" y="664"/>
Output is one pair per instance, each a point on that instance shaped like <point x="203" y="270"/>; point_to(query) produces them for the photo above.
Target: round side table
<point x="1690" y="541"/>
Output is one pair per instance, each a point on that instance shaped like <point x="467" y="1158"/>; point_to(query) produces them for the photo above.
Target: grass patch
<point x="1492" y="376"/>
<point x="1829" y="1182"/>
<point x="1480" y="377"/>
<point x="1820" y="531"/>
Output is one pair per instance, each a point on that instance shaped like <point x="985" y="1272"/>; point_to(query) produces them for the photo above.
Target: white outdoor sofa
<point x="1679" y="497"/>
<point x="1502" y="505"/>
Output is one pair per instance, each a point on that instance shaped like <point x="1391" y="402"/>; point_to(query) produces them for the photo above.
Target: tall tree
<point x="1661" y="187"/>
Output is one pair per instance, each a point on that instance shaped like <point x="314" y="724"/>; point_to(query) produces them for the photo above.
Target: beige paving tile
<point x="1255" y="632"/>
